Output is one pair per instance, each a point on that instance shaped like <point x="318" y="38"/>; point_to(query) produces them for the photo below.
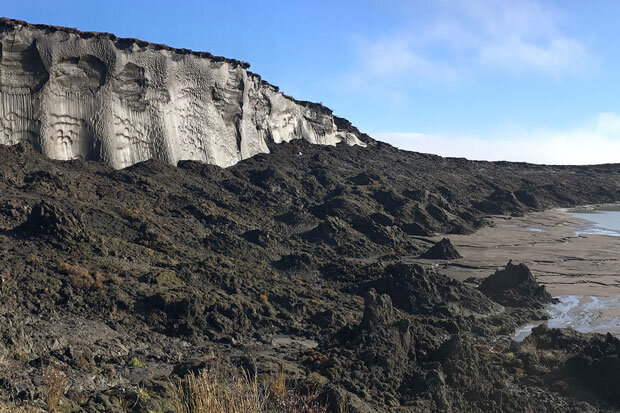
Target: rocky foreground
<point x="289" y="261"/>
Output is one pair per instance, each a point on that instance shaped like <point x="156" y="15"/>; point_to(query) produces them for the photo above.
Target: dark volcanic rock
<point x="597" y="367"/>
<point x="587" y="363"/>
<point x="414" y="290"/>
<point x="443" y="250"/>
<point x="515" y="286"/>
<point x="49" y="219"/>
<point x="257" y="236"/>
<point x="415" y="229"/>
<point x="502" y="202"/>
<point x="157" y="266"/>
<point x="385" y="343"/>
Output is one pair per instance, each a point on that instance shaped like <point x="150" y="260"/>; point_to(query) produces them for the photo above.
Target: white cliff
<point x="93" y="96"/>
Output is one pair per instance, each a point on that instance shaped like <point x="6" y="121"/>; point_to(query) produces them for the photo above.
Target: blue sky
<point x="486" y="79"/>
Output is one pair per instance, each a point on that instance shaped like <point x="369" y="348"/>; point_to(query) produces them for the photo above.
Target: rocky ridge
<point x="515" y="286"/>
<point x="126" y="280"/>
<point x="443" y="250"/>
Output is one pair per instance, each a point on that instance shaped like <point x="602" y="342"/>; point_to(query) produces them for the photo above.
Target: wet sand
<point x="582" y="270"/>
<point x="568" y="264"/>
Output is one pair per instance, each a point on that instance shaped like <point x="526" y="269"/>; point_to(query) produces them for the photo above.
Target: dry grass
<point x="55" y="384"/>
<point x="33" y="259"/>
<point x="219" y="391"/>
<point x="228" y="390"/>
<point x="529" y="345"/>
<point x="80" y="277"/>
<point x="13" y="408"/>
<point x="115" y="279"/>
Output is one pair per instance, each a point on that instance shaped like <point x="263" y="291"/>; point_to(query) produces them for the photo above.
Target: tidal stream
<point x="585" y="313"/>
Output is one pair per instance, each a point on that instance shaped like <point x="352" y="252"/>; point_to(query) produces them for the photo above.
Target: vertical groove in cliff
<point x="122" y="101"/>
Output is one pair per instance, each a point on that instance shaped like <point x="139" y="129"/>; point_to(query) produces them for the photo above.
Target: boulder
<point x="515" y="286"/>
<point x="443" y="250"/>
<point x="49" y="219"/>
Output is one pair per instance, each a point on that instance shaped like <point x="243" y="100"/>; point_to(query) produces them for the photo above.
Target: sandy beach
<point x="568" y="264"/>
<point x="582" y="270"/>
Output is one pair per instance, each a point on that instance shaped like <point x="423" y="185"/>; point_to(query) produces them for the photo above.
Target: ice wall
<point x="93" y="96"/>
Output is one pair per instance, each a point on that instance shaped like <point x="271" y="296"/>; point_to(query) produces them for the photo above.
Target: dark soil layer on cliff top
<point x="127" y="279"/>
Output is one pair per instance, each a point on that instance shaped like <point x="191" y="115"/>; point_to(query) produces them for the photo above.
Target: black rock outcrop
<point x="443" y="250"/>
<point x="597" y="367"/>
<point x="49" y="219"/>
<point x="588" y="363"/>
<point x="515" y="286"/>
<point x="417" y="291"/>
<point x="144" y="260"/>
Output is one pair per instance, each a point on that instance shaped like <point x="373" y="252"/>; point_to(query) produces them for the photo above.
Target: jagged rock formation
<point x="417" y="291"/>
<point x="442" y="250"/>
<point x="594" y="363"/>
<point x="77" y="95"/>
<point x="515" y="286"/>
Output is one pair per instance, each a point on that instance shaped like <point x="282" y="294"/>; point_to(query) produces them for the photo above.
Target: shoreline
<point x="566" y="263"/>
<point x="585" y="207"/>
<point x="582" y="269"/>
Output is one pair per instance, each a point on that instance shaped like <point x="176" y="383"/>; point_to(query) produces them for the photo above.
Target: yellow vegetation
<point x="227" y="390"/>
<point x="264" y="298"/>
<point x="55" y="383"/>
<point x="12" y="408"/>
<point x="80" y="277"/>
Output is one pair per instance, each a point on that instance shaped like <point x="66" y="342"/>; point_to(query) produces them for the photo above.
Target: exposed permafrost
<point x="77" y="95"/>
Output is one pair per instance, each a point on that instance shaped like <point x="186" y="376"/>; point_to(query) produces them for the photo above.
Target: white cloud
<point x="597" y="142"/>
<point x="394" y="57"/>
<point x="559" y="55"/>
<point x="473" y="35"/>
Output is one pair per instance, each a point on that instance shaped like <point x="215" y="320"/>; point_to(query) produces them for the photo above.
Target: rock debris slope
<point x="126" y="280"/>
<point x="300" y="261"/>
<point x="94" y="96"/>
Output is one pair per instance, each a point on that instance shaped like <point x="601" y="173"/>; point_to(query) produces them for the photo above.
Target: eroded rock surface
<point x="93" y="96"/>
<point x="128" y="279"/>
<point x="418" y="291"/>
<point x="515" y="286"/>
<point x="443" y="250"/>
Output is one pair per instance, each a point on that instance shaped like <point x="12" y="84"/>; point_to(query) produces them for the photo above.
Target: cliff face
<point x="93" y="96"/>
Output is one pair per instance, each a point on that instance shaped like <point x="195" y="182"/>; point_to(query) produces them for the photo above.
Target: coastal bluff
<point x="94" y="96"/>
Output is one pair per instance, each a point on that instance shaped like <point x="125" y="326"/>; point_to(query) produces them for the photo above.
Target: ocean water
<point x="586" y="314"/>
<point x="602" y="220"/>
